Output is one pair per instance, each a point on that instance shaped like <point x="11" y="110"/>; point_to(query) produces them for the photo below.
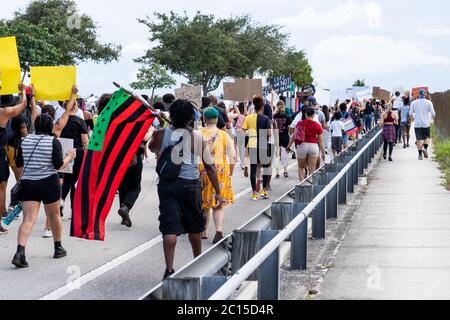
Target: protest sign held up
<point x="281" y="84"/>
<point x="10" y="74"/>
<point x="191" y="93"/>
<point x="242" y="89"/>
<point x="53" y="83"/>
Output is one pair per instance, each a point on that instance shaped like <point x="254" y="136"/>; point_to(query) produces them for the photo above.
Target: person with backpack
<point x="8" y="110"/>
<point x="308" y="137"/>
<point x="180" y="149"/>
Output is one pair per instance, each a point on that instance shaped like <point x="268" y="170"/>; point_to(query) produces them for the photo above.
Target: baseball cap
<point x="422" y="92"/>
<point x="312" y="100"/>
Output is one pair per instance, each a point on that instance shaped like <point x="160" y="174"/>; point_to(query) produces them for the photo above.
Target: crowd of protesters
<point x="256" y="135"/>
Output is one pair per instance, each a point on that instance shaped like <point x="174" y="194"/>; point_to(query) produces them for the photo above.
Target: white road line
<point x="88" y="277"/>
<point x="94" y="274"/>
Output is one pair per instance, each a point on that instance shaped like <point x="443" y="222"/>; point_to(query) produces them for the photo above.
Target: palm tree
<point x="359" y="83"/>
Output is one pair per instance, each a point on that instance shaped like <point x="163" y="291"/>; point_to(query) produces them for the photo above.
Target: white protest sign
<point x="67" y="145"/>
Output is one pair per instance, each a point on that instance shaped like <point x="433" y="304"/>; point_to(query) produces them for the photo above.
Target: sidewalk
<point x="398" y="245"/>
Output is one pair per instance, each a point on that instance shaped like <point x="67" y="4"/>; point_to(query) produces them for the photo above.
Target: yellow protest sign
<point x="53" y="83"/>
<point x="10" y="75"/>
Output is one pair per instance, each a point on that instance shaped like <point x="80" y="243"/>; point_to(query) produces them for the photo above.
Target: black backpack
<point x="165" y="167"/>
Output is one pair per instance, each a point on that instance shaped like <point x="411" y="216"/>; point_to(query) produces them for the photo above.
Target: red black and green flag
<point x="120" y="129"/>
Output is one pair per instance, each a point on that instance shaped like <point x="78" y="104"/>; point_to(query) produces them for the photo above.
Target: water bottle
<point x="13" y="214"/>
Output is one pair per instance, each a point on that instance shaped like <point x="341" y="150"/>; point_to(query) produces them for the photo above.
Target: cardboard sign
<point x="381" y="94"/>
<point x="281" y="84"/>
<point x="191" y="93"/>
<point x="415" y="91"/>
<point x="67" y="145"/>
<point x="242" y="89"/>
<point x="10" y="74"/>
<point x="53" y="83"/>
<point x="362" y="93"/>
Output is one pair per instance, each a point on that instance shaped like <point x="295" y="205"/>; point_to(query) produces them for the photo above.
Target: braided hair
<point x="182" y="113"/>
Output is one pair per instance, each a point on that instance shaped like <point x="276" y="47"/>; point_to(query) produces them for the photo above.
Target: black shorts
<point x="423" y="133"/>
<point x="336" y="144"/>
<point x="180" y="206"/>
<point x="4" y="167"/>
<point x="47" y="190"/>
<point x="247" y="139"/>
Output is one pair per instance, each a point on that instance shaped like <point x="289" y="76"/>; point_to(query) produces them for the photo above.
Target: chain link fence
<point x="441" y="101"/>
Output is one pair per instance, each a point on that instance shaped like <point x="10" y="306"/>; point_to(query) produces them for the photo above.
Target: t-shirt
<point x="256" y="124"/>
<point x="59" y="111"/>
<point x="319" y="118"/>
<point x="404" y="111"/>
<point x="283" y="122"/>
<point x="74" y="128"/>
<point x="312" y="130"/>
<point x="16" y="125"/>
<point x="422" y="110"/>
<point x="398" y="103"/>
<point x="336" y="128"/>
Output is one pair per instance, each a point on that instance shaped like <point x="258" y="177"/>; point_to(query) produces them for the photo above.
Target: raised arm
<point x="11" y="112"/>
<point x="34" y="113"/>
<point x="62" y="122"/>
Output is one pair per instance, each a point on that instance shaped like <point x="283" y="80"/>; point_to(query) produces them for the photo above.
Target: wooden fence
<point x="441" y="101"/>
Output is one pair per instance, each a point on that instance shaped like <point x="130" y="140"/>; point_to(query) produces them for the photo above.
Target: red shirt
<point x="312" y="130"/>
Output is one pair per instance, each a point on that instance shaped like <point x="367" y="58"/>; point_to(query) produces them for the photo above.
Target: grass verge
<point x="442" y="154"/>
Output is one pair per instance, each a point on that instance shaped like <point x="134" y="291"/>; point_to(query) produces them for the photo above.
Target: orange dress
<point x="219" y="142"/>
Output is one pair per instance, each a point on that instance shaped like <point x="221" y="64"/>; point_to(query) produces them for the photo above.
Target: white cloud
<point x="435" y="32"/>
<point x="347" y="57"/>
<point x="344" y="14"/>
<point x="136" y="49"/>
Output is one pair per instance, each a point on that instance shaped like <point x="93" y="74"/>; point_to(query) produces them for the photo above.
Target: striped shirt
<point x="45" y="160"/>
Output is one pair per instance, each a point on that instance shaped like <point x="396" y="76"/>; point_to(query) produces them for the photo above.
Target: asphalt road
<point x="128" y="263"/>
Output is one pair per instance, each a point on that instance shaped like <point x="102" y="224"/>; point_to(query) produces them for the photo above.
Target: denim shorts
<point x="180" y="206"/>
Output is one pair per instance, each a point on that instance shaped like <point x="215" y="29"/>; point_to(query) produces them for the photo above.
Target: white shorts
<point x="307" y="149"/>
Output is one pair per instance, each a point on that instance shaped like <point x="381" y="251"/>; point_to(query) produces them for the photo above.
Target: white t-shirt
<point x="336" y="128"/>
<point x="60" y="111"/>
<point x="422" y="110"/>
<point x="398" y="103"/>
<point x="319" y="118"/>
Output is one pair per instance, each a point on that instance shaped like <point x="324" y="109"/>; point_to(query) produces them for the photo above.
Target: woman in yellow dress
<point x="223" y="153"/>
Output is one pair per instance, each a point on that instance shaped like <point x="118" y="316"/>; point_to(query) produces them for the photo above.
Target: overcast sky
<point x="388" y="43"/>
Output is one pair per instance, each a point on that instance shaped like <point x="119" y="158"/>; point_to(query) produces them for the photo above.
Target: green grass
<point x="442" y="154"/>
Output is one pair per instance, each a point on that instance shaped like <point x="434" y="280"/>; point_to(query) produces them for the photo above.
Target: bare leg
<point x="54" y="220"/>
<point x="2" y="198"/>
<point x="301" y="169"/>
<point x="312" y="163"/>
<point x="218" y="219"/>
<point x="30" y="214"/>
<point x="208" y="218"/>
<point x="169" y="243"/>
<point x="17" y="172"/>
<point x="196" y="243"/>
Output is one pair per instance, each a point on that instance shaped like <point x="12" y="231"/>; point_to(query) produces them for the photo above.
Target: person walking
<point x="223" y="155"/>
<point x="397" y="103"/>
<point x="308" y="137"/>
<point x="337" y="130"/>
<point x="8" y="109"/>
<point x="283" y="123"/>
<point x="259" y="128"/>
<point x="405" y="123"/>
<point x="368" y="112"/>
<point x="389" y="120"/>
<point x="76" y="130"/>
<point x="421" y="113"/>
<point x="40" y="155"/>
<point x="181" y="198"/>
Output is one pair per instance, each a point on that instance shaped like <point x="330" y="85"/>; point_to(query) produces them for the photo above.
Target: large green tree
<point x="53" y="32"/>
<point x="295" y="64"/>
<point x="207" y="50"/>
<point x="153" y="77"/>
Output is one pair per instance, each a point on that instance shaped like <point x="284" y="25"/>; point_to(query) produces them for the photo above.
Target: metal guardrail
<point x="251" y="252"/>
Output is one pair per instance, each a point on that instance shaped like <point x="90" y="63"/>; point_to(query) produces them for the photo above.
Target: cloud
<point x="136" y="49"/>
<point x="344" y="14"/>
<point x="347" y="57"/>
<point x="435" y="32"/>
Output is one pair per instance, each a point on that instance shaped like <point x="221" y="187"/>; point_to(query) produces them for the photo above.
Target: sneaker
<point x="277" y="176"/>
<point x="124" y="212"/>
<point x="47" y="234"/>
<point x="20" y="260"/>
<point x="168" y="274"/>
<point x="384" y="157"/>
<point x="60" y="252"/>
<point x="255" y="197"/>
<point x="218" y="237"/>
<point x="286" y="175"/>
<point x="264" y="195"/>
<point x="390" y="159"/>
<point x="420" y="158"/>
<point x="404" y="146"/>
<point x="425" y="153"/>
<point x="246" y="172"/>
